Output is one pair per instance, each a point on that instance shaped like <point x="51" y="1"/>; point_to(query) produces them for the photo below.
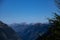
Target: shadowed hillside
<point x="7" y="33"/>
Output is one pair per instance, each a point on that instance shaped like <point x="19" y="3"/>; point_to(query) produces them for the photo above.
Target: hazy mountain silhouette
<point x="30" y="31"/>
<point x="7" y="33"/>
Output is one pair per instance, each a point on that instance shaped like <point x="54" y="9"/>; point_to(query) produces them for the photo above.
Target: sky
<point x="29" y="11"/>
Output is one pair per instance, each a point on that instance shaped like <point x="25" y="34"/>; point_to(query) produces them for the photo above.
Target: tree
<point x="57" y="3"/>
<point x="56" y="22"/>
<point x="54" y="30"/>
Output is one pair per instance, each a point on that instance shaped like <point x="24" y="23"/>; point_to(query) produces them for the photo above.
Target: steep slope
<point x="7" y="33"/>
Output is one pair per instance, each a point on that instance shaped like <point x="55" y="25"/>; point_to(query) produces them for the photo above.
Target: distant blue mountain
<point x="30" y="31"/>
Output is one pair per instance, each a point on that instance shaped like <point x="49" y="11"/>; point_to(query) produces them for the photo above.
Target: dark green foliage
<point x="54" y="30"/>
<point x="57" y="3"/>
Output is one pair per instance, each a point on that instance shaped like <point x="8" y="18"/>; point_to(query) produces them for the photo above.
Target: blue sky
<point x="30" y="11"/>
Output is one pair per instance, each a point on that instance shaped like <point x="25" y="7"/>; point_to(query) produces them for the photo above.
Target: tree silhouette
<point x="54" y="31"/>
<point x="57" y="3"/>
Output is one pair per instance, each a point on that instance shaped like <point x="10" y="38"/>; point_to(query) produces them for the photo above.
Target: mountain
<point x="30" y="31"/>
<point x="7" y="33"/>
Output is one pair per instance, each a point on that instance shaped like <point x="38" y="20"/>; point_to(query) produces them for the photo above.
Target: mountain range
<point x="30" y="31"/>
